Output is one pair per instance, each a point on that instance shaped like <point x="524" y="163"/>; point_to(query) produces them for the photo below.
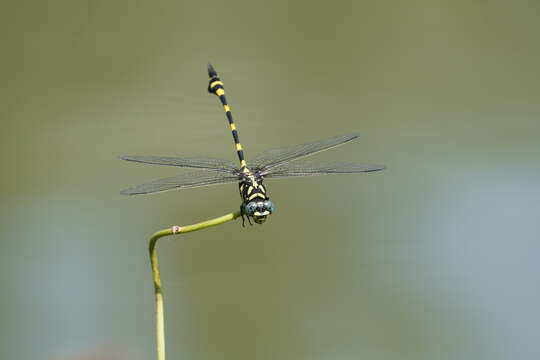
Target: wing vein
<point x="182" y="181"/>
<point x="275" y="157"/>
<point x="202" y="163"/>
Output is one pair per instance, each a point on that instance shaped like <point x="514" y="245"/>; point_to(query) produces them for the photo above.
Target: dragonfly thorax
<point x="255" y="201"/>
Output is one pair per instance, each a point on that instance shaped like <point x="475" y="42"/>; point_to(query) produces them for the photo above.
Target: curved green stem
<point x="174" y="230"/>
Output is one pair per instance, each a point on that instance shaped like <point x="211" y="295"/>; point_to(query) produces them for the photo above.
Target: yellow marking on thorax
<point x="255" y="196"/>
<point x="220" y="92"/>
<point x="216" y="83"/>
<point x="243" y="164"/>
<point x="253" y="181"/>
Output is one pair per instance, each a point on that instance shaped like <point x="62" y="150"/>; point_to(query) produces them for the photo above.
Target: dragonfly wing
<point x="211" y="164"/>
<point x="276" y="157"/>
<point x="183" y="181"/>
<point x="312" y="168"/>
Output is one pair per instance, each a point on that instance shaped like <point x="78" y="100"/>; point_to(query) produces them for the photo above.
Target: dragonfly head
<point x="259" y="210"/>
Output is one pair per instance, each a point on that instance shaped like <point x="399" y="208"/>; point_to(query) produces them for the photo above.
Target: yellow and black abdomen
<point x="255" y="201"/>
<point x="216" y="87"/>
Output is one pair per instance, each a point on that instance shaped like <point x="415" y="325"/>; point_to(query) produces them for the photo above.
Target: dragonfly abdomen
<point x="215" y="86"/>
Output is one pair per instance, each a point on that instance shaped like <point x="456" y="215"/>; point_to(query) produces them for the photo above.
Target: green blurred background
<point x="434" y="258"/>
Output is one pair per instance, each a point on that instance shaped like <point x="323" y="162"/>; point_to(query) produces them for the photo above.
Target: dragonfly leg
<point x="243" y="215"/>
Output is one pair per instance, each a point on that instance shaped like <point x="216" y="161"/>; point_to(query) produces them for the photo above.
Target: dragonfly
<point x="274" y="163"/>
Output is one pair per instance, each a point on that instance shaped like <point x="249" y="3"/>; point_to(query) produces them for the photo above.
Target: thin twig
<point x="160" y="328"/>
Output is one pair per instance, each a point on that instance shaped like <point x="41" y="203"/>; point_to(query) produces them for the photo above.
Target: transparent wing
<point x="275" y="157"/>
<point x="211" y="164"/>
<point x="183" y="181"/>
<point x="312" y="168"/>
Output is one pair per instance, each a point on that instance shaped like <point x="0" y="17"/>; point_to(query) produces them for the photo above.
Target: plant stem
<point x="174" y="230"/>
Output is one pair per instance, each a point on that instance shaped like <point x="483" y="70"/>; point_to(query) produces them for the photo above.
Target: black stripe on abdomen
<point x="215" y="86"/>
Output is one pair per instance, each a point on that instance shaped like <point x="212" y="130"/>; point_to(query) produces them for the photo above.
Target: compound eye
<point x="269" y="206"/>
<point x="250" y="208"/>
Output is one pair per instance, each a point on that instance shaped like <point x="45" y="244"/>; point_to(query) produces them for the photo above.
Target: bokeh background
<point x="434" y="258"/>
